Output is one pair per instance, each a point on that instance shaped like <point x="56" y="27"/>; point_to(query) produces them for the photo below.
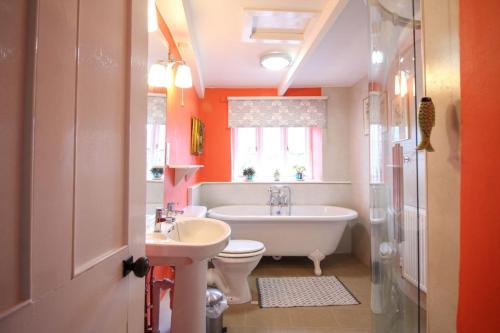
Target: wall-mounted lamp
<point x="161" y="75"/>
<point x="183" y="77"/>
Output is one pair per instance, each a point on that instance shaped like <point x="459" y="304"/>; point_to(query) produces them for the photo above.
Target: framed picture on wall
<point x="400" y="124"/>
<point x="197" y="136"/>
<point x="366" y="116"/>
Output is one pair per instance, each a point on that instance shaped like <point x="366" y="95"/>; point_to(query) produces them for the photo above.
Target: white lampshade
<point x="152" y="18"/>
<point x="183" y="77"/>
<point x="158" y="76"/>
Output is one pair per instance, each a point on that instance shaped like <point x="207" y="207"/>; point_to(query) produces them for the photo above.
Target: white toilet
<point x="232" y="268"/>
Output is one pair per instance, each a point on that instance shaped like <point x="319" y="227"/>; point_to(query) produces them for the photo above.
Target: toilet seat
<point x="240" y="248"/>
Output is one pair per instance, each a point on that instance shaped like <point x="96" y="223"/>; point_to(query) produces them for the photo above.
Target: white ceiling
<point x="157" y="48"/>
<point x="226" y="60"/>
<point x="334" y="52"/>
<point x="342" y="58"/>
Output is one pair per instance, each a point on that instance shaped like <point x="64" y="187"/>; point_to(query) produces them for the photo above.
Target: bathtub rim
<point x="352" y="215"/>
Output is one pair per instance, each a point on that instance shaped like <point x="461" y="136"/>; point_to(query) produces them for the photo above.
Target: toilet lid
<point x="241" y="246"/>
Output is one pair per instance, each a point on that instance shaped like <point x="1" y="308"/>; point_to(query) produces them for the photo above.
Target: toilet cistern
<point x="169" y="217"/>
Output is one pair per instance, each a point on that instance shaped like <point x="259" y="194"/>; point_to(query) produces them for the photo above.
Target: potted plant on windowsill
<point x="249" y="173"/>
<point x="157" y="172"/>
<point x="299" y="172"/>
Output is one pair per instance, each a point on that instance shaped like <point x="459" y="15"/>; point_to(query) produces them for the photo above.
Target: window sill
<point x="154" y="180"/>
<point x="307" y="181"/>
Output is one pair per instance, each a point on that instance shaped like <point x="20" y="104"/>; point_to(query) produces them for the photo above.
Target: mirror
<point x="156" y="128"/>
<point x="155" y="150"/>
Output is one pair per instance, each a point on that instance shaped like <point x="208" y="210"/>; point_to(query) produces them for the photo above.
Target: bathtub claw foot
<point x="316" y="256"/>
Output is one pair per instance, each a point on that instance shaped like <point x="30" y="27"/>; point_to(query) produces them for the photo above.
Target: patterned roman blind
<point x="277" y="112"/>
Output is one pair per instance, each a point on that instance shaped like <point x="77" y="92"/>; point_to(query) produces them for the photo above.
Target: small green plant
<point x="299" y="172"/>
<point x="157" y="171"/>
<point x="299" y="168"/>
<point x="249" y="173"/>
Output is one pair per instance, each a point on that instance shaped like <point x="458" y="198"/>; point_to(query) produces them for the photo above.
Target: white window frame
<point x="236" y="174"/>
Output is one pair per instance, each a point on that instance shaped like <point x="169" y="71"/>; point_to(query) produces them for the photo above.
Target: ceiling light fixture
<point x="275" y="61"/>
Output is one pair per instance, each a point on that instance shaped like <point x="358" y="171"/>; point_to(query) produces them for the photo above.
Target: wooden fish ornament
<point x="426" y="121"/>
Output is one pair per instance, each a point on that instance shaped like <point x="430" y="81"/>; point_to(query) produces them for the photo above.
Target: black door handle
<point x="140" y="267"/>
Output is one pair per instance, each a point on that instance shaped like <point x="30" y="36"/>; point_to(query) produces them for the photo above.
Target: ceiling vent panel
<point x="276" y="26"/>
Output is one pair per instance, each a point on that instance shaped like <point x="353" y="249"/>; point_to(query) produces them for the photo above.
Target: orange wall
<point x="213" y="111"/>
<point x="479" y="290"/>
<point x="179" y="129"/>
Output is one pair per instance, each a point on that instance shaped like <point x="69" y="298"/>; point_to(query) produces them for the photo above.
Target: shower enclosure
<point x="397" y="169"/>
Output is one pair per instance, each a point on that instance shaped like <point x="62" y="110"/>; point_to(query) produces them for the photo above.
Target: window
<point x="268" y="149"/>
<point x="155" y="147"/>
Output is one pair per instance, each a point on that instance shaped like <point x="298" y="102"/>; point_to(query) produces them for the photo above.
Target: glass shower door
<point x="397" y="169"/>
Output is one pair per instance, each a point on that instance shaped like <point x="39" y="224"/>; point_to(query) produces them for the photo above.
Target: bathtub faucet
<point x="279" y="196"/>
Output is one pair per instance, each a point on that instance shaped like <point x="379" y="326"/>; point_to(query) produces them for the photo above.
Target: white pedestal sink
<point x="187" y="246"/>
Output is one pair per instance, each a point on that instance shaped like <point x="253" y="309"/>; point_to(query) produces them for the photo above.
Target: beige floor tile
<point x="312" y="317"/>
<point x="353" y="319"/>
<point x="249" y="318"/>
<point x="293" y="330"/>
<point x="236" y="329"/>
<point x="339" y="330"/>
<point x="235" y="315"/>
<point x="271" y="317"/>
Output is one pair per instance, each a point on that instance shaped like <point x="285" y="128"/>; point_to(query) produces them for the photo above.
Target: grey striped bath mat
<point x="288" y="292"/>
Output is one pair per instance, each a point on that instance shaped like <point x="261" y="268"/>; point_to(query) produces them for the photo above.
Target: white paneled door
<point x="72" y="159"/>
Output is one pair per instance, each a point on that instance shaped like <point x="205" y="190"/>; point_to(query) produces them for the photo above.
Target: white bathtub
<point x="312" y="231"/>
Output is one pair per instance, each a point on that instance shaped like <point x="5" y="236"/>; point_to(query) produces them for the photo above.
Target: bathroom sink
<point x="188" y="239"/>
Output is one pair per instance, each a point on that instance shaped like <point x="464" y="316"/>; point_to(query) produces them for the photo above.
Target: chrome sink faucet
<point x="167" y="215"/>
<point x="279" y="196"/>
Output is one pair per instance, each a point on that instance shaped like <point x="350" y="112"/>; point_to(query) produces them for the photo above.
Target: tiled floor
<point x="249" y="318"/>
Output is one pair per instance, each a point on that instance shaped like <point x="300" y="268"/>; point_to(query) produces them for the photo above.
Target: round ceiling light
<point x="275" y="61"/>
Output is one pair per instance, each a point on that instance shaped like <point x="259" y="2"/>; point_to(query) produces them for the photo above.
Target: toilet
<point x="232" y="268"/>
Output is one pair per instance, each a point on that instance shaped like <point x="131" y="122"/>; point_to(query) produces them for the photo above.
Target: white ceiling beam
<point x="179" y="18"/>
<point x="312" y="40"/>
<point x="193" y="53"/>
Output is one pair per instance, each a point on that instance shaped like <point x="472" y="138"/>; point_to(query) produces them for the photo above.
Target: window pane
<point x="245" y="154"/>
<point x="155" y="147"/>
<point x="271" y="152"/>
<point x="297" y="151"/>
<point x="247" y="140"/>
<point x="272" y="148"/>
<point x="296" y="140"/>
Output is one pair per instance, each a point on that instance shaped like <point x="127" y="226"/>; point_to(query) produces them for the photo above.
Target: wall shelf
<point x="184" y="171"/>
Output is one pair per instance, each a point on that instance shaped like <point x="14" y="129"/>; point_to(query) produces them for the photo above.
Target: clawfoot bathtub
<point x="311" y="231"/>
